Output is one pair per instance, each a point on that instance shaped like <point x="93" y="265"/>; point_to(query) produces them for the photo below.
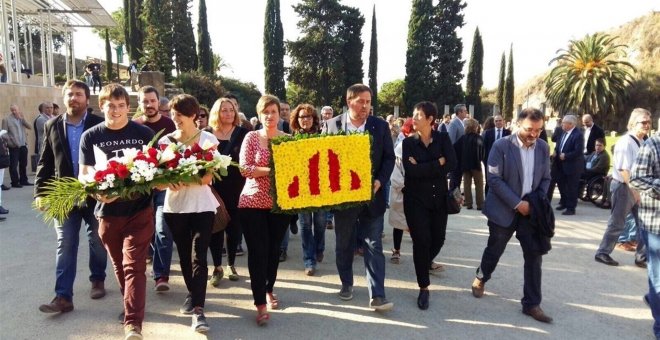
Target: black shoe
<point x="4" y="187"/>
<point x="26" y="184"/>
<point x="294" y="228"/>
<point x="283" y="255"/>
<point x="187" y="307"/>
<point x="640" y="264"/>
<point x="120" y="318"/>
<point x="423" y="299"/>
<point x="16" y="186"/>
<point x="3" y="210"/>
<point x="239" y="250"/>
<point x="606" y="259"/>
<point x="2" y="218"/>
<point x="568" y="212"/>
<point x="560" y="207"/>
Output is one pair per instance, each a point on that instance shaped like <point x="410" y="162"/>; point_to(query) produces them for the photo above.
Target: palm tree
<point x="588" y="77"/>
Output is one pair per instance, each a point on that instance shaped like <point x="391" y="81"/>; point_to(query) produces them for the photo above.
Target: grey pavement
<point x="588" y="300"/>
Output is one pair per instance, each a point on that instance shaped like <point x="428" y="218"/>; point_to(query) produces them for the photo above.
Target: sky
<point x="536" y="29"/>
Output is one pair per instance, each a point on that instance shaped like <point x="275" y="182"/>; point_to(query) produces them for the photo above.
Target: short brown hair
<point x="355" y="90"/>
<point x="185" y="104"/>
<point x="76" y="83"/>
<point x="214" y="116"/>
<point x="471" y="126"/>
<point x="266" y="101"/>
<point x="115" y="91"/>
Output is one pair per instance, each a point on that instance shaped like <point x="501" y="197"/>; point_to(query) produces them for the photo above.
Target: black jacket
<point x="542" y="219"/>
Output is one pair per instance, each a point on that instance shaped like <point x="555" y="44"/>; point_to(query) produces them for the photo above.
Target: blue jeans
<point x="369" y="229"/>
<point x="313" y="239"/>
<point x="630" y="231"/>
<point x="329" y="216"/>
<point x="68" y="237"/>
<point x="623" y="204"/>
<point x="652" y="242"/>
<point x="162" y="242"/>
<point x="285" y="240"/>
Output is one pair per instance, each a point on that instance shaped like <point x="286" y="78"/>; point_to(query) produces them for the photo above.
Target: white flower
<point x="167" y="155"/>
<point x="223" y="160"/>
<point x="208" y="144"/>
<point x="129" y="155"/>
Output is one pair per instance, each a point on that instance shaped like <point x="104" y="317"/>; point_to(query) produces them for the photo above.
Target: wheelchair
<point x="596" y="190"/>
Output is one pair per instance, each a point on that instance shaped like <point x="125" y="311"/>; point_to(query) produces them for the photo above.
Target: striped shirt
<point x="645" y="177"/>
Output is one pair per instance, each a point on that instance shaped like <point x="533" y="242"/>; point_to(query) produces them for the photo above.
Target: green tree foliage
<point x="318" y="66"/>
<point x="274" y="50"/>
<point x="108" y="57"/>
<point x="206" y="89"/>
<point x="509" y="89"/>
<point x="135" y="36"/>
<point x="447" y="49"/>
<point x="185" y="55"/>
<point x="433" y="59"/>
<point x="589" y="77"/>
<point x="419" y="78"/>
<point x="158" y="38"/>
<point x="500" y="83"/>
<point x="125" y="24"/>
<point x="205" y="54"/>
<point x="247" y="93"/>
<point x="391" y="95"/>
<point x="351" y="28"/>
<point x="475" y="75"/>
<point x="116" y="33"/>
<point x="373" y="62"/>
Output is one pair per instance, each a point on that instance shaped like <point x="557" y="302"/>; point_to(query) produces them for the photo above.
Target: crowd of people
<point x="416" y="163"/>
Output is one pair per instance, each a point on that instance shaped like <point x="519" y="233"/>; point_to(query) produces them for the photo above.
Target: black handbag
<point x="454" y="201"/>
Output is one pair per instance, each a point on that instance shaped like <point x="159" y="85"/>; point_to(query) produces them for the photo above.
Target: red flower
<point x="162" y="147"/>
<point x="122" y="171"/>
<point x="195" y="148"/>
<point x="208" y="157"/>
<point x="112" y="164"/>
<point x="99" y="175"/>
<point x="153" y="153"/>
<point x="187" y="153"/>
<point x="294" y="187"/>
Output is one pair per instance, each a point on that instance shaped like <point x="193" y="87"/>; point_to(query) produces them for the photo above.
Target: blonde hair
<point x="471" y="126"/>
<point x="214" y="115"/>
<point x="266" y="101"/>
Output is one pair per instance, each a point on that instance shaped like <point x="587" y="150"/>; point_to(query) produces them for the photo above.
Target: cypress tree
<point x="274" y="51"/>
<point x="158" y="38"/>
<point x="204" y="44"/>
<point x="500" y="84"/>
<point x="127" y="33"/>
<point x="351" y="29"/>
<point x="509" y="87"/>
<point x="183" y="37"/>
<point x="136" y="36"/>
<point x="475" y="75"/>
<point x="447" y="48"/>
<point x="108" y="57"/>
<point x="373" y="63"/>
<point x="418" y="84"/>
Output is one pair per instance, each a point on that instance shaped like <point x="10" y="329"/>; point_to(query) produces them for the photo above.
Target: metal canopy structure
<point x="50" y="16"/>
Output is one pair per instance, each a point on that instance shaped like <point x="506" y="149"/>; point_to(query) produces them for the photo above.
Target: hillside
<point x="642" y="36"/>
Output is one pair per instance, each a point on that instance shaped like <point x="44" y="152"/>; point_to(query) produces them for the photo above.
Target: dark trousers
<point x="428" y="228"/>
<point x="568" y="188"/>
<point x="397" y="237"/>
<point x="233" y="232"/>
<point x="497" y="241"/>
<point x="96" y="79"/>
<point x="263" y="231"/>
<point x="191" y="233"/>
<point x="127" y="239"/>
<point x="18" y="165"/>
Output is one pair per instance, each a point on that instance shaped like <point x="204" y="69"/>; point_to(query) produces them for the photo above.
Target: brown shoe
<point x="538" y="314"/>
<point x="478" y="287"/>
<point x="58" y="305"/>
<point x="98" y="290"/>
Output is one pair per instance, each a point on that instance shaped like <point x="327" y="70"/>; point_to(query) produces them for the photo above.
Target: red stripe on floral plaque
<point x="313" y="166"/>
<point x="334" y="170"/>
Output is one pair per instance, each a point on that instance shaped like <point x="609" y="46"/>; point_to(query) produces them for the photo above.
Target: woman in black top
<point x="428" y="157"/>
<point x="224" y="124"/>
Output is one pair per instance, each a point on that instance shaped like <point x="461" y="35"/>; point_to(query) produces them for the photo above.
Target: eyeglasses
<point x="304" y="117"/>
<point x="646" y="122"/>
<point x="203" y="116"/>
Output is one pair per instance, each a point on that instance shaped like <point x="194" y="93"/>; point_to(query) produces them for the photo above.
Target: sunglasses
<point x="203" y="116"/>
<point x="304" y="117"/>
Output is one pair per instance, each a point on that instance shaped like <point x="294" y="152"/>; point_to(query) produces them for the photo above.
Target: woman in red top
<point x="263" y="230"/>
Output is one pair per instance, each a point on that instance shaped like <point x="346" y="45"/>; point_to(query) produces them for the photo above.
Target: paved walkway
<point x="588" y="300"/>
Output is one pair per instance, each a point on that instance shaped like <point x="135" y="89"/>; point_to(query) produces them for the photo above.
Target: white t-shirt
<point x="192" y="198"/>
